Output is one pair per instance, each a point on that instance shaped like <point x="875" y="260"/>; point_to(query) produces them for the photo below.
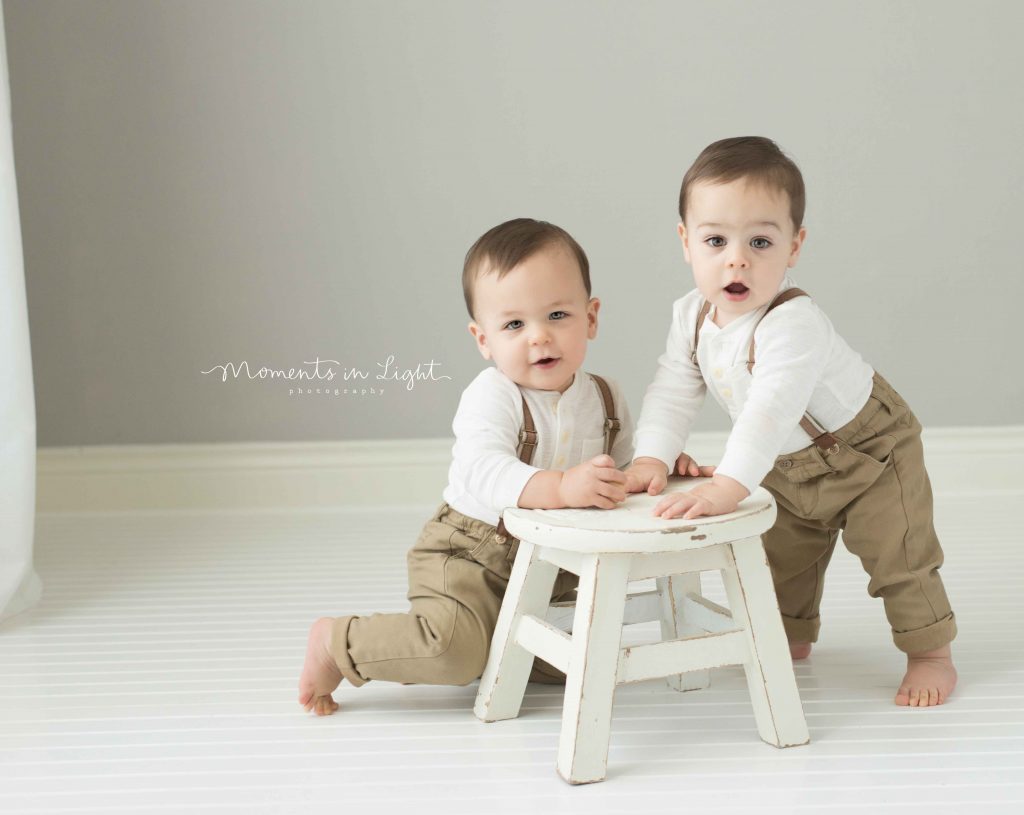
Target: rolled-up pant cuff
<point x="800" y="630"/>
<point x="928" y="638"/>
<point x="338" y="647"/>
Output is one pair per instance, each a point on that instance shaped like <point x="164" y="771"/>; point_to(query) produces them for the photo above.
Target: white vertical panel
<point x="19" y="585"/>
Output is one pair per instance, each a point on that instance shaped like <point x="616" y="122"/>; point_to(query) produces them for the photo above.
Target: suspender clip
<point x="611" y="430"/>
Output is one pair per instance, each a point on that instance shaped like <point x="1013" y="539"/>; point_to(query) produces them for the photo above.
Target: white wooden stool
<point x="608" y="548"/>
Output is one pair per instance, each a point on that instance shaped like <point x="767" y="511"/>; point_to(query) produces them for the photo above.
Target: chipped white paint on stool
<point x="607" y="549"/>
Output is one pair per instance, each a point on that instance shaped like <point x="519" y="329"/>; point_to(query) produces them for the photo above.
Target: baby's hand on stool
<point x="646" y="475"/>
<point x="594" y="483"/>
<point x="720" y="497"/>
<point x="687" y="466"/>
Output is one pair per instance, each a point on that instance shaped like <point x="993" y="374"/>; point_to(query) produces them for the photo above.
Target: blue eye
<point x="766" y="243"/>
<point x="715" y="238"/>
<point x="558" y="315"/>
<point x="512" y="325"/>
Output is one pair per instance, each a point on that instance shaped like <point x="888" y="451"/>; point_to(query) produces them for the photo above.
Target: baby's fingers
<point x="615" y="492"/>
<point x="658" y="483"/>
<point x="672" y="506"/>
<point x="707" y="472"/>
<point x="610" y="474"/>
<point x="634" y="483"/>
<point x="700" y="507"/>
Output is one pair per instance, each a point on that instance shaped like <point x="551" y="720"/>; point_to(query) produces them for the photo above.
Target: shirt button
<point x="726" y="393"/>
<point x="560" y="461"/>
<point x="785" y="464"/>
<point x="565" y="436"/>
<point x="499" y="538"/>
<point x="718" y="373"/>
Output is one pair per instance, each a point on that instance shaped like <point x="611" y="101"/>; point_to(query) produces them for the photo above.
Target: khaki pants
<point x="458" y="572"/>
<point x="874" y="488"/>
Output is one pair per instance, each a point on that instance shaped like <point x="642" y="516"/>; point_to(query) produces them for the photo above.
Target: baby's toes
<point x="325" y="705"/>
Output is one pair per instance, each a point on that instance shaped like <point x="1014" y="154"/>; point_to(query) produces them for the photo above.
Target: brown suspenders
<point x="823" y="439"/>
<point x="528" y="435"/>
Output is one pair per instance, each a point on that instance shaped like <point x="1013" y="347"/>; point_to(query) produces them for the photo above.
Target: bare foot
<point x="320" y="674"/>
<point x="799" y="650"/>
<point x="930" y="678"/>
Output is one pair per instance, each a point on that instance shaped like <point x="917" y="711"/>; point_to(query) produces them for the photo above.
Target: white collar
<point x="571" y="394"/>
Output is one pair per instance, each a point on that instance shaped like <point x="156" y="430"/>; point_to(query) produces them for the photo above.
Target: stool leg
<point x="674" y="626"/>
<point x="769" y="669"/>
<point x="593" y="668"/>
<point x="507" y="672"/>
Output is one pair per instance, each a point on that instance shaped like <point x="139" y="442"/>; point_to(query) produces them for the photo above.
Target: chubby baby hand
<point x="649" y="475"/>
<point x="722" y="495"/>
<point x="646" y="475"/>
<point x="594" y="483"/>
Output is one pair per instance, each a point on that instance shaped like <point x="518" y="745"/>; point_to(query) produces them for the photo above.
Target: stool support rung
<point x="706" y="615"/>
<point x="542" y="639"/>
<point x="660" y="659"/>
<point x="642" y="607"/>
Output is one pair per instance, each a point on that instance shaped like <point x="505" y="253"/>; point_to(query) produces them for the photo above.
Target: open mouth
<point x="547" y="362"/>
<point x="736" y="292"/>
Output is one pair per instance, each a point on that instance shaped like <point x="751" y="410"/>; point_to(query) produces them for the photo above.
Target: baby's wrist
<point x="731" y="486"/>
<point x="561" y="489"/>
<point x="649" y="461"/>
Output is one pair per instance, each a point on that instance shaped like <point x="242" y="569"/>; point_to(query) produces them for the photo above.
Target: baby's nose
<point x="738" y="260"/>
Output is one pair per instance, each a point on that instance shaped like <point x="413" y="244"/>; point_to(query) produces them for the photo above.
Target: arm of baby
<point x="594" y="483"/>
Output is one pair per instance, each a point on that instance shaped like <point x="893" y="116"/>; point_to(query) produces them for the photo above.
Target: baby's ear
<point x="684" y="239"/>
<point x="481" y="340"/>
<point x="592" y="308"/>
<point x="796" y="246"/>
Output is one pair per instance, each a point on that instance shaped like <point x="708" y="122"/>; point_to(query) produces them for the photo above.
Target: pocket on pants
<point x="797" y="480"/>
<point x="492" y="552"/>
<point x="857" y="470"/>
<point x="819" y="485"/>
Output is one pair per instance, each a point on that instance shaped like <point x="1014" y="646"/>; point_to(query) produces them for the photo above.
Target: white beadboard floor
<point x="159" y="675"/>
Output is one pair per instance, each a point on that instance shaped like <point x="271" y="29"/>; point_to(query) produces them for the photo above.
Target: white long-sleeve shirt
<point x="486" y="475"/>
<point x="801" y="365"/>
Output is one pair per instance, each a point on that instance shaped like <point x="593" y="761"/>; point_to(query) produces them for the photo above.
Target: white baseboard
<point x="387" y="473"/>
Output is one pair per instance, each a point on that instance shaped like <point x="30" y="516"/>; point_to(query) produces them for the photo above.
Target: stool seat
<point x="607" y="549"/>
<point x="631" y="526"/>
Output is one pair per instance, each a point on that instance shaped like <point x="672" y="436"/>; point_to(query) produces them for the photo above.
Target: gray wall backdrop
<point x="210" y="182"/>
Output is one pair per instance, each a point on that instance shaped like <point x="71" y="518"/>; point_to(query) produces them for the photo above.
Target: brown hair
<point x="507" y="245"/>
<point x="755" y="158"/>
